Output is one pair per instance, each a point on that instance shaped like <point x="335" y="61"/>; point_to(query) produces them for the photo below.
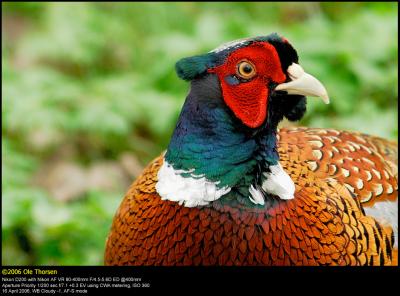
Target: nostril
<point x="274" y="92"/>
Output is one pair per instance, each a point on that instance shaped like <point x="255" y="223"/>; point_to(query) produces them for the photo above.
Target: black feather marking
<point x="388" y="248"/>
<point x="382" y="259"/>
<point x="379" y="229"/>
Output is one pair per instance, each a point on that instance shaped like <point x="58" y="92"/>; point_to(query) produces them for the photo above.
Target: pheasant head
<point x="224" y="144"/>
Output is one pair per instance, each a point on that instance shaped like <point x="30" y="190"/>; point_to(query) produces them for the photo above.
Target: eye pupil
<point x="247" y="69"/>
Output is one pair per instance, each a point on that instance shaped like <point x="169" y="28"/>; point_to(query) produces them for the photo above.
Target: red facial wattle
<point x="249" y="99"/>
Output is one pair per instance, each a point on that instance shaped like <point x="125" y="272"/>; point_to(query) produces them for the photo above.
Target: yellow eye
<point x="246" y="70"/>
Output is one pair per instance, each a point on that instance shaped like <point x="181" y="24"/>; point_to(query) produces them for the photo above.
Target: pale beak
<point x="303" y="84"/>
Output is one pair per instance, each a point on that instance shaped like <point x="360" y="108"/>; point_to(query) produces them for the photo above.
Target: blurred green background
<point x="90" y="96"/>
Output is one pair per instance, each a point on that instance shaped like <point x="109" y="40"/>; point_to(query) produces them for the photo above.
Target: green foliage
<point x="98" y="80"/>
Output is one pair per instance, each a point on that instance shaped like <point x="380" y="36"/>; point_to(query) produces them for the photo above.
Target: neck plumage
<point x="212" y="153"/>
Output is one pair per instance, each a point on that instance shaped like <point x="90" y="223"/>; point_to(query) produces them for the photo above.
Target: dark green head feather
<point x="193" y="67"/>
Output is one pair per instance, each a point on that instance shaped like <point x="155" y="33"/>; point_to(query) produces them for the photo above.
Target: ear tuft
<point x="192" y="67"/>
<point x="287" y="54"/>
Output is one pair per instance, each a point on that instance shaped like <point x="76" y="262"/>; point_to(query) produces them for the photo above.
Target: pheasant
<point x="233" y="189"/>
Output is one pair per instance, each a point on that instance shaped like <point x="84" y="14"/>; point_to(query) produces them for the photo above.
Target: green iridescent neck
<point x="209" y="141"/>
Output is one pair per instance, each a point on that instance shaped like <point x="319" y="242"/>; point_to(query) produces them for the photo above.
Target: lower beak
<point x="303" y="84"/>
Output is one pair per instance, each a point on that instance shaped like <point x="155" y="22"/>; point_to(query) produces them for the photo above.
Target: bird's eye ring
<point x="245" y="69"/>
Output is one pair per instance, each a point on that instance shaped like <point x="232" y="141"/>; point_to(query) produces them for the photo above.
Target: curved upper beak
<point x="303" y="84"/>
